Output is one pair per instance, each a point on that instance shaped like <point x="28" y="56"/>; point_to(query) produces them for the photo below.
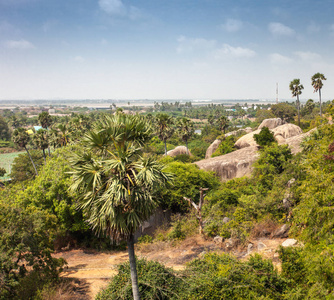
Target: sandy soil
<point x="92" y="269"/>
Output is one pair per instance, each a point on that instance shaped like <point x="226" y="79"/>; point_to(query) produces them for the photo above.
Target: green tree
<point x="222" y="123"/>
<point x="115" y="189"/>
<point x="4" y="130"/>
<point x="296" y="90"/>
<point x="186" y="130"/>
<point x="45" y="120"/>
<point x="21" y="138"/>
<point x="317" y="85"/>
<point x="165" y="130"/>
<point x="265" y="137"/>
<point x="285" y="111"/>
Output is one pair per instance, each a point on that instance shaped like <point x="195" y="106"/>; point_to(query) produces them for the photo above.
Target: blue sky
<point x="164" y="49"/>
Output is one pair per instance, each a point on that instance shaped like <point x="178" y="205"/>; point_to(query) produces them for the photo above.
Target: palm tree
<point x="296" y="89"/>
<point x="115" y="183"/>
<point x="41" y="140"/>
<point x="317" y="85"/>
<point x="222" y="123"/>
<point x="45" y="120"/>
<point x="165" y="130"/>
<point x="21" y="138"/>
<point x="186" y="130"/>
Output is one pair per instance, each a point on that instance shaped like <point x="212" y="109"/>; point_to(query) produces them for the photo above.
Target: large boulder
<point x="281" y="133"/>
<point x="212" y="148"/>
<point x="247" y="140"/>
<point x="239" y="131"/>
<point x="232" y="165"/>
<point x="286" y="131"/>
<point x="178" y="150"/>
<point x="295" y="141"/>
<point x="271" y="123"/>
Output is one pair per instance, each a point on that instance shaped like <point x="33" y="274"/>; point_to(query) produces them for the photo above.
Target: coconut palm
<point x="186" y="130"/>
<point x="317" y="85"/>
<point x="114" y="182"/>
<point x="222" y="123"/>
<point x="165" y="130"/>
<point x="21" y="138"/>
<point x="296" y="90"/>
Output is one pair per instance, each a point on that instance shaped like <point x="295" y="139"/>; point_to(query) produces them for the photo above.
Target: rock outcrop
<point x="178" y="150"/>
<point x="212" y="148"/>
<point x="271" y="123"/>
<point x="295" y="141"/>
<point x="239" y="131"/>
<point x="232" y="165"/>
<point x="281" y="133"/>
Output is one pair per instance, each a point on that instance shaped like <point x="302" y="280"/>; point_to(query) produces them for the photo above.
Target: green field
<point x="6" y="159"/>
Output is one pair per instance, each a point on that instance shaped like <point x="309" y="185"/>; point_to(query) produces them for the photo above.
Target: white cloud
<point x="79" y="59"/>
<point x="279" y="29"/>
<point x="193" y="44"/>
<point x="113" y="7"/>
<point x="307" y="55"/>
<point x="232" y="25"/>
<point x="229" y="51"/>
<point x="276" y="58"/>
<point x="20" y="44"/>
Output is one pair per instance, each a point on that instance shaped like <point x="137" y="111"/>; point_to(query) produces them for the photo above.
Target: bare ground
<point x="91" y="270"/>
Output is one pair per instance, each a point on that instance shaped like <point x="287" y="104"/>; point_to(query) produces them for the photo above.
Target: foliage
<point x="285" y="111"/>
<point x="22" y="169"/>
<point x="2" y="171"/>
<point x="155" y="282"/>
<point x="225" y="277"/>
<point x="265" y="137"/>
<point x="4" y="130"/>
<point x="263" y="114"/>
<point x="25" y="250"/>
<point x="226" y="146"/>
<point x="187" y="180"/>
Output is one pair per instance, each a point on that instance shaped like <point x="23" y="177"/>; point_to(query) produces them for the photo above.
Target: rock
<point x="282" y="232"/>
<point x="239" y="131"/>
<point x="231" y="243"/>
<point x="218" y="240"/>
<point x="286" y="131"/>
<point x="295" y="141"/>
<point x="281" y="133"/>
<point x="226" y="220"/>
<point x="287" y="203"/>
<point x="261" y="246"/>
<point x="212" y="148"/>
<point x="247" y="140"/>
<point x="289" y="243"/>
<point x="271" y="123"/>
<point x="232" y="165"/>
<point x="178" y="150"/>
<point x="250" y="248"/>
<point x="290" y="182"/>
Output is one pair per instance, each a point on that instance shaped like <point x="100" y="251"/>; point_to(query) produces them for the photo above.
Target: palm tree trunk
<point x="133" y="269"/>
<point x="320" y="102"/>
<point x="165" y="147"/>
<point x="49" y="151"/>
<point x="187" y="147"/>
<point x="44" y="155"/>
<point x="298" y="108"/>
<point x="31" y="160"/>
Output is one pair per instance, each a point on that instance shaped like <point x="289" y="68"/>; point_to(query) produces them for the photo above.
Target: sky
<point x="164" y="49"/>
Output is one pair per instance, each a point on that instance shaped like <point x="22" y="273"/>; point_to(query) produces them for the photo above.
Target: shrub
<point x="155" y="282"/>
<point x="265" y="137"/>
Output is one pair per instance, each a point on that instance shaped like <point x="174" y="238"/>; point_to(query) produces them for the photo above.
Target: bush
<point x="265" y="137"/>
<point x="155" y="282"/>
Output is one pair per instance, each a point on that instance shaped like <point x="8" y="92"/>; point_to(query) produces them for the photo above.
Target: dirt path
<point x="92" y="269"/>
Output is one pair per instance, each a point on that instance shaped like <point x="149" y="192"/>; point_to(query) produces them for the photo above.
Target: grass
<point x="6" y="160"/>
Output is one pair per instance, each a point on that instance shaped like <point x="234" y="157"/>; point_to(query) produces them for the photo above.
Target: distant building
<point x="52" y="111"/>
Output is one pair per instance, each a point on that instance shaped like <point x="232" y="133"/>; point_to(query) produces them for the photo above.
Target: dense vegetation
<point x="39" y="213"/>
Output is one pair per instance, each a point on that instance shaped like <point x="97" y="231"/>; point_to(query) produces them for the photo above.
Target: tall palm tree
<point x="114" y="182"/>
<point x="296" y="90"/>
<point x="45" y="120"/>
<point x="222" y="123"/>
<point x="21" y="138"/>
<point x="164" y="130"/>
<point x="186" y="130"/>
<point x="41" y="140"/>
<point x="317" y="85"/>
